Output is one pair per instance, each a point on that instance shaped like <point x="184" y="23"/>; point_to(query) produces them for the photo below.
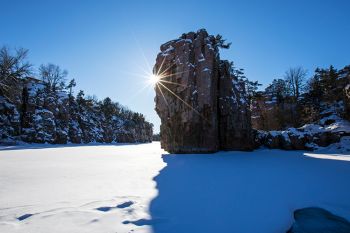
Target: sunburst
<point x="154" y="79"/>
<point x="160" y="80"/>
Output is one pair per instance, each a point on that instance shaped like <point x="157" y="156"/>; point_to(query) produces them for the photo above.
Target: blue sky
<point x="103" y="44"/>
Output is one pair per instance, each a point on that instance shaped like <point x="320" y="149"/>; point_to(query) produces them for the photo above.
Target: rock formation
<point x="316" y="220"/>
<point x="42" y="116"/>
<point x="329" y="132"/>
<point x="201" y="104"/>
<point x="347" y="100"/>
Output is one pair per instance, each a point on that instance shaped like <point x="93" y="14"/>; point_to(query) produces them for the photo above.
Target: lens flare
<point x="160" y="80"/>
<point x="154" y="79"/>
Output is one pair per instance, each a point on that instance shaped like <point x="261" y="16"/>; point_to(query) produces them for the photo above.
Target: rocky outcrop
<point x="43" y="116"/>
<point x="201" y="104"/>
<point x="316" y="220"/>
<point x="330" y="130"/>
<point x="235" y="132"/>
<point x="347" y="101"/>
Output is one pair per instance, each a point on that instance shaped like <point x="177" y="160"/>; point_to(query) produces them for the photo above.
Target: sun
<point x="154" y="79"/>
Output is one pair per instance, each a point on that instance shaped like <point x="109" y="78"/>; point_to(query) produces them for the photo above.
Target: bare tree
<point x="53" y="76"/>
<point x="13" y="66"/>
<point x="296" y="78"/>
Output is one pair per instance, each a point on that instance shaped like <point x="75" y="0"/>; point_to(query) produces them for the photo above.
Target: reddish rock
<point x="235" y="132"/>
<point x="201" y="105"/>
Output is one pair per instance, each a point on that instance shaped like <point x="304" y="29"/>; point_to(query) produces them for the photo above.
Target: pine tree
<point x="70" y="86"/>
<point x="221" y="43"/>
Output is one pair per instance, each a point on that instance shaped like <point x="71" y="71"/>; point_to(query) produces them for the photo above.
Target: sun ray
<point x="188" y="105"/>
<point x="164" y="71"/>
<point x="154" y="79"/>
<point x="157" y="78"/>
<point x="169" y="75"/>
<point x="165" y="81"/>
<point x="138" y="92"/>
<point x="143" y="75"/>
<point x="147" y="83"/>
<point x="142" y="53"/>
<point x="162" y="94"/>
<point x="161" y="66"/>
<point x="145" y="70"/>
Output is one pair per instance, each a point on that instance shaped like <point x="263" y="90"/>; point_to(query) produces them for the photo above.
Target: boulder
<point x="298" y="142"/>
<point x="308" y="137"/>
<point x="317" y="220"/>
<point x="325" y="138"/>
<point x="274" y="140"/>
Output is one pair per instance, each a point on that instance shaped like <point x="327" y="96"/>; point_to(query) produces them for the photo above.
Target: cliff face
<point x="186" y="95"/>
<point x="201" y="104"/>
<point x="347" y="100"/>
<point x="235" y="132"/>
<point x="43" y="116"/>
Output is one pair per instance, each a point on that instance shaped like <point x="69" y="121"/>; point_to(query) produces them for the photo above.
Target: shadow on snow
<point x="244" y="191"/>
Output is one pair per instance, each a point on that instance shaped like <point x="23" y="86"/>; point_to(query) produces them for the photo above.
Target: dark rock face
<point x="42" y="116"/>
<point x="316" y="220"/>
<point x="329" y="130"/>
<point x="235" y="132"/>
<point x="347" y="100"/>
<point x="201" y="105"/>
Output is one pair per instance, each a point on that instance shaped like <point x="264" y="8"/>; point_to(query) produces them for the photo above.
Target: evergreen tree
<point x="70" y="86"/>
<point x="221" y="43"/>
<point x="277" y="90"/>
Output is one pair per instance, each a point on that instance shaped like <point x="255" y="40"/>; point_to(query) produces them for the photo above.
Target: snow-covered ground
<point x="140" y="188"/>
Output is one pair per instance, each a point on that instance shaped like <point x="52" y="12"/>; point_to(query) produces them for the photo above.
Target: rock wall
<point x="235" y="132"/>
<point x="201" y="104"/>
<point x="42" y="116"/>
<point x="347" y="101"/>
<point x="330" y="132"/>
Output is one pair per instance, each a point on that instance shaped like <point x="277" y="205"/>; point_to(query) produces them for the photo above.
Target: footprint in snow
<point x="125" y="204"/>
<point x="144" y="222"/>
<point x="104" y="208"/>
<point x="24" y="216"/>
<point x="120" y="206"/>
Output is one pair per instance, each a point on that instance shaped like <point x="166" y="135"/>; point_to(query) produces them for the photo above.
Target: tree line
<point x="296" y="99"/>
<point x="39" y="105"/>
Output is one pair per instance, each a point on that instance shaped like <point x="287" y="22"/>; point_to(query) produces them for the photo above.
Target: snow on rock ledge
<point x="330" y="134"/>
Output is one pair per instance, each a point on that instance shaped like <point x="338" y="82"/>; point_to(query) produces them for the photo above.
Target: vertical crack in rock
<point x="201" y="104"/>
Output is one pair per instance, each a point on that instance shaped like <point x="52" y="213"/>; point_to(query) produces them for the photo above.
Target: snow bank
<point x="330" y="134"/>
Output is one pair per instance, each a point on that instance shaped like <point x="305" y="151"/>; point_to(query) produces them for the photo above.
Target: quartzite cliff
<point x="201" y="103"/>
